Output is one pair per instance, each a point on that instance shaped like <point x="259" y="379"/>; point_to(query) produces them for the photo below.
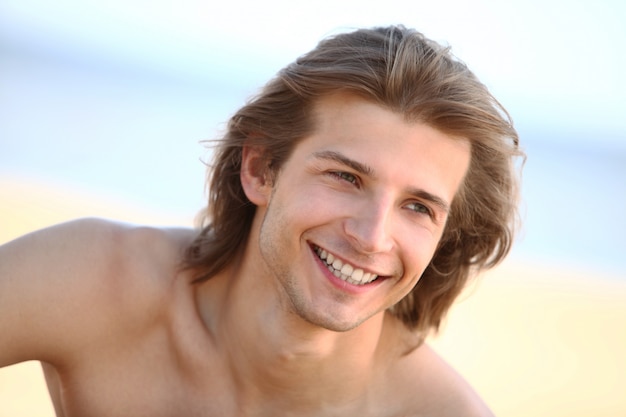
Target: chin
<point x="332" y="322"/>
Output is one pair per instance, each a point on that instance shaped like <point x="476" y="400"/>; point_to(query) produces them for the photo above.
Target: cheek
<point x="290" y="211"/>
<point x="418" y="252"/>
<point x="274" y="239"/>
<point x="311" y="203"/>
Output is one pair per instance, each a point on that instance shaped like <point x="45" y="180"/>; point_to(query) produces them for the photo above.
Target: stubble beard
<point x="272" y="244"/>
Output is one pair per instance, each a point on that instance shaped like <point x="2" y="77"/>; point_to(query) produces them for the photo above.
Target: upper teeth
<point x="345" y="271"/>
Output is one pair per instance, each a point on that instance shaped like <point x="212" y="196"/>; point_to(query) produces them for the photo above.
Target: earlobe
<point x="254" y="176"/>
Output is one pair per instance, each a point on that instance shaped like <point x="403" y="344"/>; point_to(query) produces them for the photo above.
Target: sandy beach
<point x="535" y="340"/>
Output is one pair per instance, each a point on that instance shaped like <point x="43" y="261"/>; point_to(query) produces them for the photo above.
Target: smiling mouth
<point x="343" y="270"/>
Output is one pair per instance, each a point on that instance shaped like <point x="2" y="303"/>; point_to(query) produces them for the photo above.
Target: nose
<point x="369" y="229"/>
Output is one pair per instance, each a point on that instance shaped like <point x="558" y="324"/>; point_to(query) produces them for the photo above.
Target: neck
<point x="279" y="360"/>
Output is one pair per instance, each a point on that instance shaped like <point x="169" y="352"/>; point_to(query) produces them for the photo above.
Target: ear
<point x="255" y="176"/>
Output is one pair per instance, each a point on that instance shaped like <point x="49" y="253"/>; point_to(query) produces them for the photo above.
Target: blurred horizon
<point x="114" y="98"/>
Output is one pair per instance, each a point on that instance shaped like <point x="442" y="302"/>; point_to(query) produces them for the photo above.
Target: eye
<point x="346" y="176"/>
<point x="419" y="208"/>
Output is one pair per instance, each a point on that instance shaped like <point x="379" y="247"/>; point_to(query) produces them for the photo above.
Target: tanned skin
<point x="121" y="330"/>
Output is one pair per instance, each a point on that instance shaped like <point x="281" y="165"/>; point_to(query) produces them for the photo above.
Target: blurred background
<point x="103" y="106"/>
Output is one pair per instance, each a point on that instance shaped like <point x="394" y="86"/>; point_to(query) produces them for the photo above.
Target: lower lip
<point x="344" y="285"/>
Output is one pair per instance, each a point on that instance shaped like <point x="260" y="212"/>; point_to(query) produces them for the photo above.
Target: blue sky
<point x="560" y="62"/>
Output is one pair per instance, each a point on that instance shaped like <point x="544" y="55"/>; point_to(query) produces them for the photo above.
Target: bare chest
<point x="160" y="389"/>
<point x="137" y="386"/>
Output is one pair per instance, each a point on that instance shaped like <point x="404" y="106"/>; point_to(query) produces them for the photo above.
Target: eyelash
<point x="423" y="209"/>
<point x="346" y="176"/>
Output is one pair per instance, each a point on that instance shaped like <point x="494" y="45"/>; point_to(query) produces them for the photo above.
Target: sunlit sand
<point x="534" y="340"/>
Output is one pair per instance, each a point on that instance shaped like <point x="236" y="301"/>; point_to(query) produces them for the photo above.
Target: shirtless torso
<point x="348" y="204"/>
<point x="122" y="335"/>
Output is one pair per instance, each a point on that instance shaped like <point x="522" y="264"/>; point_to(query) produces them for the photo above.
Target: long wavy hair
<point x="399" y="69"/>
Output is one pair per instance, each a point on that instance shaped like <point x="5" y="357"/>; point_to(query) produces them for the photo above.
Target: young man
<point x="348" y="205"/>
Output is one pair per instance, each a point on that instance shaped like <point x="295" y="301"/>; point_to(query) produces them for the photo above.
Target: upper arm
<point x="54" y="284"/>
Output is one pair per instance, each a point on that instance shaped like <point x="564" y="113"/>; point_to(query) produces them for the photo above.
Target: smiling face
<point x="356" y="213"/>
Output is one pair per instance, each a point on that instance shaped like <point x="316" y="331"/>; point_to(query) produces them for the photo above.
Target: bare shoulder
<point x="134" y="266"/>
<point x="103" y="252"/>
<point x="63" y="285"/>
<point x="434" y="388"/>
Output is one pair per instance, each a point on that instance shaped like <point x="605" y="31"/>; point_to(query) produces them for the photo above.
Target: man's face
<point x="356" y="213"/>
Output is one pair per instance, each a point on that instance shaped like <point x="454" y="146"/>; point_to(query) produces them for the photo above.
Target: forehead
<point x="352" y="114"/>
<point x="339" y="105"/>
<point x="394" y="150"/>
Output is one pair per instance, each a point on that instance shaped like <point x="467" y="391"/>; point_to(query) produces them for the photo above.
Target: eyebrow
<point x="367" y="170"/>
<point x="342" y="159"/>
